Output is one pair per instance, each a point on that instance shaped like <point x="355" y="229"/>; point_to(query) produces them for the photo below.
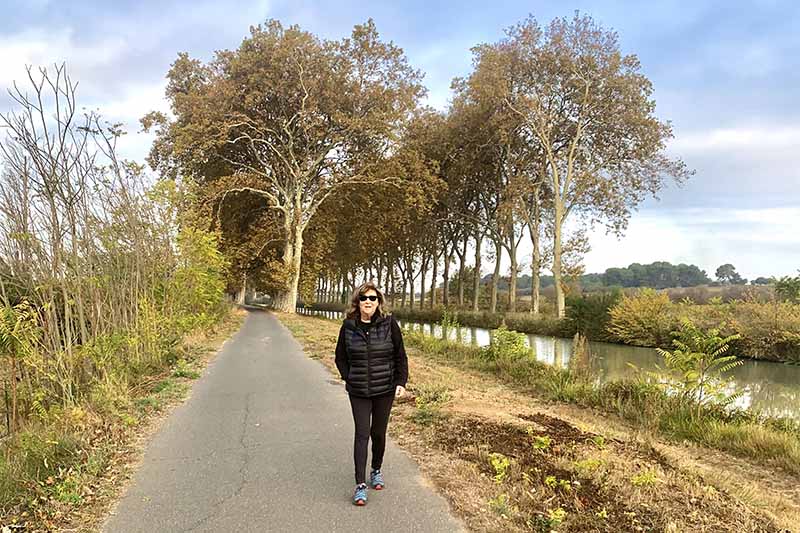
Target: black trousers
<point x="378" y="408"/>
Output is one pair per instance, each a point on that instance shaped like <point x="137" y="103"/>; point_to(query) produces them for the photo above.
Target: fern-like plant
<point x="698" y="364"/>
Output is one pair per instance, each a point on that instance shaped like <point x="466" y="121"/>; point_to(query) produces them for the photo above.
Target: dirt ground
<point x="507" y="461"/>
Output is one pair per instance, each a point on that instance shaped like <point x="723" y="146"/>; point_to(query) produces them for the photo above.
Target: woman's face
<point x="368" y="302"/>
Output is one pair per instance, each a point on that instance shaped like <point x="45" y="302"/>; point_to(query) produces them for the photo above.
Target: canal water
<point x="766" y="387"/>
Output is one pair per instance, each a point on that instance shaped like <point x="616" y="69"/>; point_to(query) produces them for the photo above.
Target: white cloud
<point x="41" y="48"/>
<point x="740" y="138"/>
<point x="136" y="100"/>
<point x="756" y="241"/>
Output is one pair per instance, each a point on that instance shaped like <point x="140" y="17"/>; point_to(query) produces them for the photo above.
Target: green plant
<point x="788" y="288"/>
<point x="429" y="400"/>
<point x="556" y="516"/>
<point x="698" y="363"/>
<point x="541" y="442"/>
<point x="449" y="320"/>
<point x="183" y="370"/>
<point x="599" y="441"/>
<point x="500" y="463"/>
<point x="500" y="504"/>
<point x="506" y="345"/>
<point x="587" y="466"/>
<point x="645" y="478"/>
<point x="645" y="319"/>
<point x="590" y="312"/>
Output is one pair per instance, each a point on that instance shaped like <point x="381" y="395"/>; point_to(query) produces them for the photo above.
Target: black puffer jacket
<point x="371" y="358"/>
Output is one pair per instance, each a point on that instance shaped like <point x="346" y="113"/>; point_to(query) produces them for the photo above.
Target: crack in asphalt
<point x="242" y="470"/>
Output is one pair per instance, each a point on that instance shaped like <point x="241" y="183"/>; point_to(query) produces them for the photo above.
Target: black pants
<point x="379" y="408"/>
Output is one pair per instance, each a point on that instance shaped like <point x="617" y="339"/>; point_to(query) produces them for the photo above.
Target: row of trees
<point x="317" y="161"/>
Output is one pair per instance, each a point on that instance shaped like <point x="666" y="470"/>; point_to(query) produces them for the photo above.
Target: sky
<point x="725" y="75"/>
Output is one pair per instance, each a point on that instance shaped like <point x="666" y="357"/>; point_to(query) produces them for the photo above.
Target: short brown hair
<point x="353" y="311"/>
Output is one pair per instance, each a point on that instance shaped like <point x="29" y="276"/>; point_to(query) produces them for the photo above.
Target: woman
<point x="372" y="361"/>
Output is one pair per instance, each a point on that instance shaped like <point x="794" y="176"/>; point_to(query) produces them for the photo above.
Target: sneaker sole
<point x="378" y="487"/>
<point x="359" y="502"/>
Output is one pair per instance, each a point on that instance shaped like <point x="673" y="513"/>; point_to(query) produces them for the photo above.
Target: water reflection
<point x="771" y="388"/>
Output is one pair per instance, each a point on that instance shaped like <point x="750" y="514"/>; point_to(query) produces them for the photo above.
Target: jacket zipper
<point x="368" y="358"/>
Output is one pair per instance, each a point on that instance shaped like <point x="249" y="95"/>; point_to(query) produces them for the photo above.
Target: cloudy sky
<point x="726" y="74"/>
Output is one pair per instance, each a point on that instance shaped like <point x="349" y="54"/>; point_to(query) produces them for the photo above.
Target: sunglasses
<point x="363" y="298"/>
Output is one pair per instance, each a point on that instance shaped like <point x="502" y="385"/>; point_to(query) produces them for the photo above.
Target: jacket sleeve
<point x="341" y="355"/>
<point x="400" y="357"/>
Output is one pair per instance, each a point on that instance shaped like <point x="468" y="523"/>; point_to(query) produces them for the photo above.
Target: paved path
<point x="264" y="443"/>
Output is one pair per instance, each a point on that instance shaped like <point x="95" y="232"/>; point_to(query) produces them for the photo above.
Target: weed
<point x="587" y="466"/>
<point x="645" y="478"/>
<point x="541" y="442"/>
<point x="500" y="463"/>
<point x="501" y="505"/>
<point x="183" y="370"/>
<point x="429" y="400"/>
<point x="556" y="516"/>
<point x="506" y="346"/>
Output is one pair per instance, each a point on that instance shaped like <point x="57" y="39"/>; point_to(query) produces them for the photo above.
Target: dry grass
<point x="601" y="473"/>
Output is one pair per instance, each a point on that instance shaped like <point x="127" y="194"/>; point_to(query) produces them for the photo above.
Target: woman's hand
<point x="399" y="391"/>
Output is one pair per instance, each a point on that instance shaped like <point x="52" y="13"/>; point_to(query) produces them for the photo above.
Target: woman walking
<point x="372" y="361"/>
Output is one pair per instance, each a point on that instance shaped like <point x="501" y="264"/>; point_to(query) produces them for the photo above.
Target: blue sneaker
<point x="360" y="495"/>
<point x="376" y="479"/>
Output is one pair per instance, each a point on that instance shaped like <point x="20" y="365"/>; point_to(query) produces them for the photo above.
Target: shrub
<point x="506" y="346"/>
<point x="589" y="313"/>
<point x="698" y="363"/>
<point x="788" y="289"/>
<point x="645" y="319"/>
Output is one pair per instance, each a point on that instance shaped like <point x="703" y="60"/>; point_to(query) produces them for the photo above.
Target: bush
<point x="506" y="346"/>
<point x="645" y="319"/>
<point x="589" y="313"/>
<point x="697" y="365"/>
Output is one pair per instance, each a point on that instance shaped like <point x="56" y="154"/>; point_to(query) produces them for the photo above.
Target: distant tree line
<point x="658" y="275"/>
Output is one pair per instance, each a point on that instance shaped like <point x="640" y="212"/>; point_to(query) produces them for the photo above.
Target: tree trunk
<point x="242" y="290"/>
<point x="512" y="253"/>
<point x="560" y="307"/>
<point x="435" y="275"/>
<point x="392" y="284"/>
<point x="448" y="256"/>
<point x="476" y="277"/>
<point x="463" y="257"/>
<point x="534" y="225"/>
<point x="423" y="270"/>
<point x="498" y="247"/>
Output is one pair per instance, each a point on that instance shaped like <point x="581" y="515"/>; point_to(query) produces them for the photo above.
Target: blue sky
<point x="725" y="74"/>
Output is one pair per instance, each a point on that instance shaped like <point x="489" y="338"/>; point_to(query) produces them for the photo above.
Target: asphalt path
<point x="265" y="443"/>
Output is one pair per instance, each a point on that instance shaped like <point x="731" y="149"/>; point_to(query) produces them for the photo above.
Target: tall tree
<point x="727" y="274"/>
<point x="290" y="118"/>
<point x="589" y="109"/>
